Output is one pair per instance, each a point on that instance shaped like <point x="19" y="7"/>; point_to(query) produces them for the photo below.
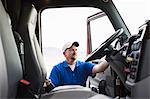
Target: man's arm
<point x="100" y="67"/>
<point x="54" y="76"/>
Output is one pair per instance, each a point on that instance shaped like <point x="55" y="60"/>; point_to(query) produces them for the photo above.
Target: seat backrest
<point x="10" y="64"/>
<point x="38" y="68"/>
<point x="35" y="72"/>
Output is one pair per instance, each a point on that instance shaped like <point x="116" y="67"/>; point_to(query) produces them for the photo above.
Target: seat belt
<point x="20" y="46"/>
<point x="24" y="85"/>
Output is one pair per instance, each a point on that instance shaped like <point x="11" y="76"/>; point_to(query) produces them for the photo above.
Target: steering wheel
<point x="102" y="49"/>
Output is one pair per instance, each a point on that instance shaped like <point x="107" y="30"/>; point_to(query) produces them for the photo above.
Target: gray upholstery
<point x="10" y="65"/>
<point x="73" y="92"/>
<point x="3" y="72"/>
<point x="40" y="76"/>
<point x="35" y="45"/>
<point x="70" y="92"/>
<point x="35" y="72"/>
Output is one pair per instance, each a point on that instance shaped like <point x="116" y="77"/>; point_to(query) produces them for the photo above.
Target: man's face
<point x="71" y="53"/>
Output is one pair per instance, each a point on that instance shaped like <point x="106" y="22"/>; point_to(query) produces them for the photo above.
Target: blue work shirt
<point x="62" y="74"/>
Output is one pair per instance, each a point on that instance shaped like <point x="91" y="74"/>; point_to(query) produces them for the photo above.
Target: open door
<point x="104" y="38"/>
<point x="89" y="19"/>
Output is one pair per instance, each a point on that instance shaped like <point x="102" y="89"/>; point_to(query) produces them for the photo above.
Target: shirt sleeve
<point x="54" y="76"/>
<point x="89" y="66"/>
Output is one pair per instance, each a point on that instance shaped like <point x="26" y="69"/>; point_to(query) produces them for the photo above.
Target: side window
<point x="100" y="29"/>
<point x="60" y="25"/>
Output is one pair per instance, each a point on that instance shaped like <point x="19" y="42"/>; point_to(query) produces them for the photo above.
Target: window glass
<point x="101" y="29"/>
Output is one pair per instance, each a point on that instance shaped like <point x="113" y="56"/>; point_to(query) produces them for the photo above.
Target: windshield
<point x="133" y="12"/>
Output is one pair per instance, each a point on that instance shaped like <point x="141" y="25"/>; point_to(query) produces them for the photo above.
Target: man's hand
<point x="101" y="66"/>
<point x="48" y="85"/>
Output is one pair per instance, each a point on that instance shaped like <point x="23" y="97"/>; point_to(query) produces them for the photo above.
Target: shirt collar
<point x="65" y="64"/>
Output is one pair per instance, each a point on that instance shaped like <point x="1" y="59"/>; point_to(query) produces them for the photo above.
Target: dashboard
<point x="133" y="54"/>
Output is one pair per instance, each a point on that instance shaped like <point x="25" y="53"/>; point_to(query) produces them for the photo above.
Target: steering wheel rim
<point x="104" y="45"/>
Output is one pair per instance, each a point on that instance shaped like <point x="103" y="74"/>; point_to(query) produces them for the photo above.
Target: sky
<point x="134" y="12"/>
<point x="71" y="23"/>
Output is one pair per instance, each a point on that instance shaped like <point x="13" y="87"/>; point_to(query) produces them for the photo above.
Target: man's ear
<point x="64" y="53"/>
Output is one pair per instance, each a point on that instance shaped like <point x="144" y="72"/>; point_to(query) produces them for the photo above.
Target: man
<point x="72" y="71"/>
